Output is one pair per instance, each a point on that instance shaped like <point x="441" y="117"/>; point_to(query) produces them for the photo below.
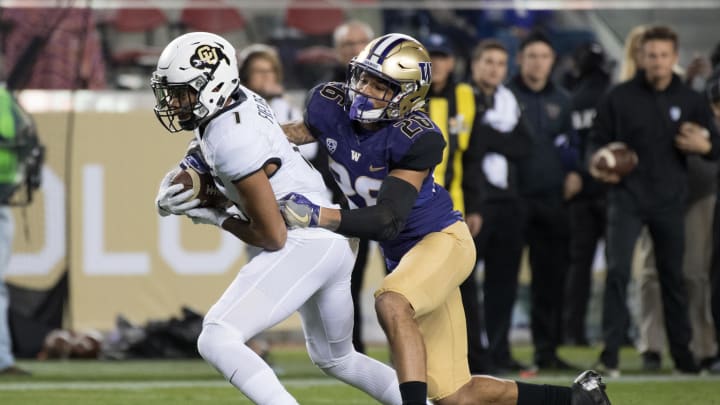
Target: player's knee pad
<point x="213" y="338"/>
<point x="338" y="366"/>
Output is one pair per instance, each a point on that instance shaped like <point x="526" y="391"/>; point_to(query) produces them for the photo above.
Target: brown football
<point x="203" y="186"/>
<point x="87" y="345"/>
<point x="57" y="345"/>
<point x="616" y="158"/>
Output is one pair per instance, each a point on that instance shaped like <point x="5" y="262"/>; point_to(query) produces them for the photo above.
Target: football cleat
<point x="589" y="389"/>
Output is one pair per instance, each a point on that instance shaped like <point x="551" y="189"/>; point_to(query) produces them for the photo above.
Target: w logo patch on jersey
<point x="425" y="71"/>
<point x="331" y="145"/>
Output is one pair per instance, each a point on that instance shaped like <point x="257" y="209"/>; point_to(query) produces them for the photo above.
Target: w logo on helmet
<point x="425" y="71"/>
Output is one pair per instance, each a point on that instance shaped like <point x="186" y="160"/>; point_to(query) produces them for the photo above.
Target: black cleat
<point x="651" y="361"/>
<point x="589" y="389"/>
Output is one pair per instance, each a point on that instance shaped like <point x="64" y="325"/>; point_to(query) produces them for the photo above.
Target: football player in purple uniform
<point x="383" y="150"/>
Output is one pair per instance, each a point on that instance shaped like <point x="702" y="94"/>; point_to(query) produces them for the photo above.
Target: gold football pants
<point x="429" y="276"/>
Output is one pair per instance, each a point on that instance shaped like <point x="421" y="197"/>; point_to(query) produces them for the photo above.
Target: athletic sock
<point x="413" y="393"/>
<point x="533" y="394"/>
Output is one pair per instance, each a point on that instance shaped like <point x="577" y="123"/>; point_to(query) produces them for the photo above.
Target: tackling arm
<point x="395" y="200"/>
<point x="386" y="219"/>
<point x="298" y="133"/>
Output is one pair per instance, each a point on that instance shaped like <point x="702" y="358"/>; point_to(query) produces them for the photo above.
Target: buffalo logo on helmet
<point x="208" y="57"/>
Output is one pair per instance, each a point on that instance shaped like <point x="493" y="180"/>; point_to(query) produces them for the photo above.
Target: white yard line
<point x="160" y="384"/>
<point x="143" y="385"/>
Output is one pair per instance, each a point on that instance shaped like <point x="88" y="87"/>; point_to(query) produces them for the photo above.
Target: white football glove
<point x="210" y="216"/>
<point x="170" y="201"/>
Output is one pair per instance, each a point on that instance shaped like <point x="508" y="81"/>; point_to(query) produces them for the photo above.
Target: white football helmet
<point x="196" y="74"/>
<point x="400" y="61"/>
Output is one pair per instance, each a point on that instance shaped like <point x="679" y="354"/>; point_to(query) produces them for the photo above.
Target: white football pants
<point x="311" y="276"/>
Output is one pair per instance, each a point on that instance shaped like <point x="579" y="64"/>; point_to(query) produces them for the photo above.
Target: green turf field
<point x="194" y="382"/>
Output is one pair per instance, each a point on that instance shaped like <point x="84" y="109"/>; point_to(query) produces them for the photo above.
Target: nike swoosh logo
<point x="302" y="219"/>
<point x="376" y="169"/>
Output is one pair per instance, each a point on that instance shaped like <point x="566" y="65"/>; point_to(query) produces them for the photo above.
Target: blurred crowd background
<point x="90" y="255"/>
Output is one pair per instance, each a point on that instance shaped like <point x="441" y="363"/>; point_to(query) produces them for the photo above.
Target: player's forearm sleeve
<point x="386" y="219"/>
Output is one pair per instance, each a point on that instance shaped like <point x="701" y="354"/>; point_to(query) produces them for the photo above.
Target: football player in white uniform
<point x="197" y="89"/>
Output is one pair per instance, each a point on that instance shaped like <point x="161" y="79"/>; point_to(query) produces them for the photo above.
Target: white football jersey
<point x="244" y="139"/>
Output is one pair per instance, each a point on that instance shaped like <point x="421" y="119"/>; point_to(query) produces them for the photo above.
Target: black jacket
<point x="514" y="146"/>
<point x="547" y="113"/>
<point x="648" y="121"/>
<point x="585" y="97"/>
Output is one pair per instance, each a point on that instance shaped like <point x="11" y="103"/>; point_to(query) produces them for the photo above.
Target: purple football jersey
<point x="360" y="159"/>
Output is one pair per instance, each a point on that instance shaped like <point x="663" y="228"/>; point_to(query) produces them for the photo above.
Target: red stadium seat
<point x="138" y="19"/>
<point x="313" y="21"/>
<point x="217" y="17"/>
<point x="120" y="31"/>
<point x="135" y="21"/>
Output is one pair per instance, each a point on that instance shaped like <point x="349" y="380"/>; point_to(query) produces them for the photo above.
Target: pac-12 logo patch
<point x="425" y="71"/>
<point x="331" y="145"/>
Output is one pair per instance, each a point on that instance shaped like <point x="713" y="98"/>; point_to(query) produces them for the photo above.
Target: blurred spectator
<point x="493" y="210"/>
<point x="451" y="105"/>
<point x="697" y="72"/>
<point x="702" y="190"/>
<point x="261" y="72"/>
<point x="631" y="53"/>
<point x="713" y="94"/>
<point x="587" y="209"/>
<point x="348" y="40"/>
<point x="546" y="179"/>
<point x="696" y="261"/>
<point x="631" y="63"/>
<point x="52" y="48"/>
<point x="16" y="129"/>
<point x="700" y="69"/>
<point x="655" y="193"/>
<point x="646" y="344"/>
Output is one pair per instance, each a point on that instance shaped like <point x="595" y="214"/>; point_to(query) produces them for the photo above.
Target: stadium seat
<point x="212" y="16"/>
<point x="122" y="27"/>
<point x="313" y="21"/>
<point x="215" y="16"/>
